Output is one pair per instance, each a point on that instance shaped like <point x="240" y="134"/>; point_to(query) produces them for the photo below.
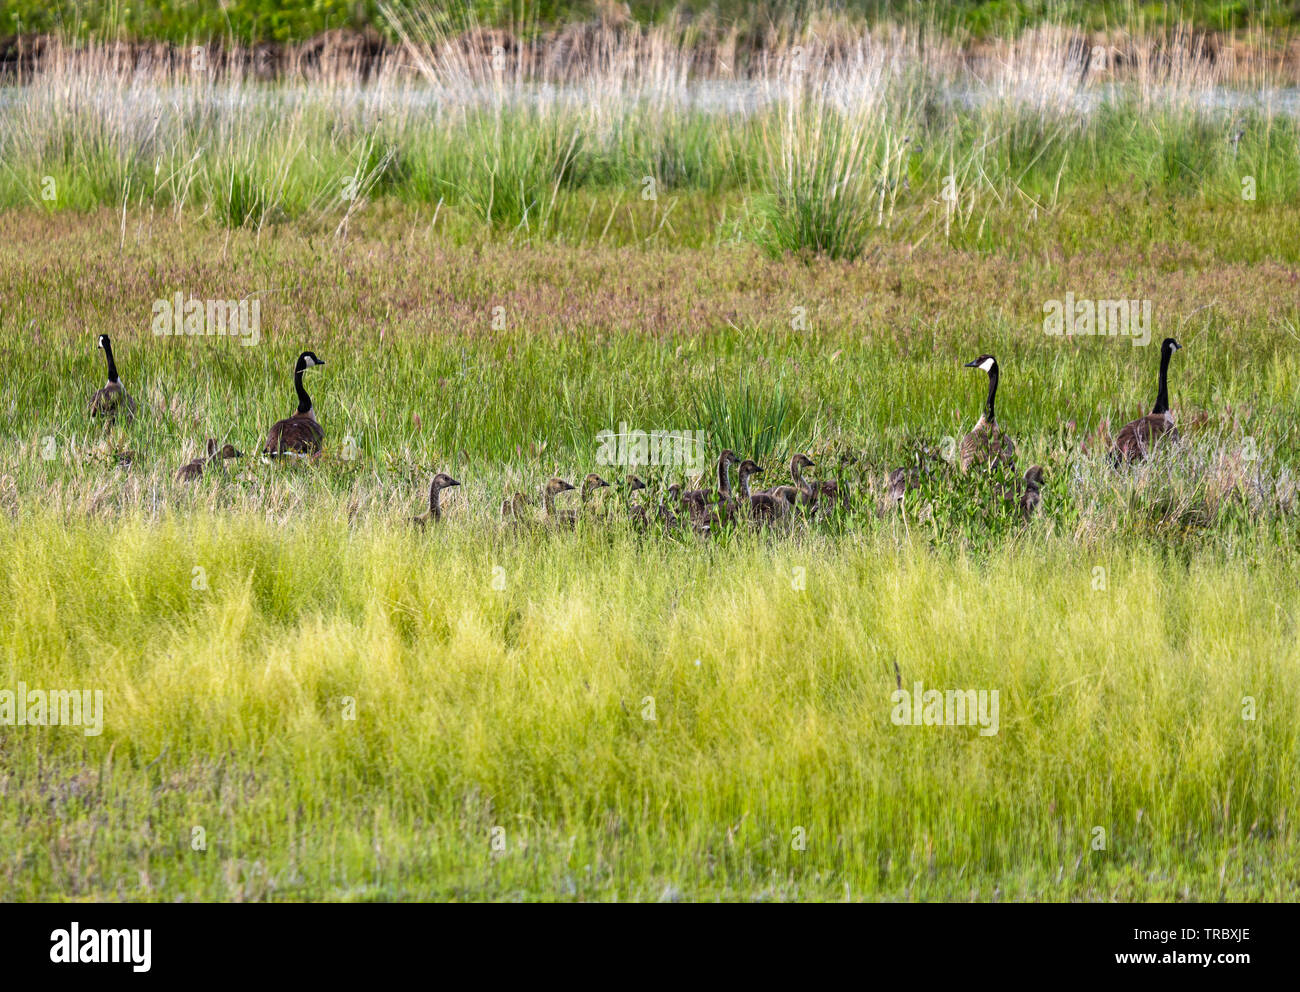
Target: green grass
<point x="349" y="710"/>
<point x="525" y="711"/>
<point x="818" y="159"/>
<point x="251" y="21"/>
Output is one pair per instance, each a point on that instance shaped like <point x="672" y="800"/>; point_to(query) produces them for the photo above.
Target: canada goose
<point x="1137" y="438"/>
<point x="1032" y="496"/>
<point x="299" y="433"/>
<point x="831" y="497"/>
<point x="636" y="512"/>
<point x="552" y="489"/>
<point x="194" y="469"/>
<point x="590" y="484"/>
<point x="702" y="521"/>
<point x="807" y="492"/>
<point x="666" y="515"/>
<point x="514" y="511"/>
<point x="802" y="492"/>
<point x="726" y="500"/>
<point x="901" y="480"/>
<point x="763" y="507"/>
<point x="440" y="482"/>
<point x="986" y="442"/>
<point x="112" y="399"/>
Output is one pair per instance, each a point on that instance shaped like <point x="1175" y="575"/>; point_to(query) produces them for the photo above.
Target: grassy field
<point x="501" y="680"/>
<point x="304" y="697"/>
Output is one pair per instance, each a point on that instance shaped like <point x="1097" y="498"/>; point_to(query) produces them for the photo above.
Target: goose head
<point x="986" y="362"/>
<point x="591" y="483"/>
<point x="443" y="481"/>
<point x="556" y="486"/>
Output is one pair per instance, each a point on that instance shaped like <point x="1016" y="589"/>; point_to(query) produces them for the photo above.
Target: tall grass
<point x="823" y="138"/>
<point x="364" y="716"/>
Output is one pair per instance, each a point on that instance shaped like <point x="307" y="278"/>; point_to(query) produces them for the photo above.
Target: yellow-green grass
<point x="526" y="708"/>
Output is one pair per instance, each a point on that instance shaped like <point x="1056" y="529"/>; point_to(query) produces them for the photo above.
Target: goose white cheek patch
<point x="986" y="364"/>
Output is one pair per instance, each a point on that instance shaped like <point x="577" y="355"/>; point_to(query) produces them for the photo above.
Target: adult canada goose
<point x="763" y="506"/>
<point x="987" y="442"/>
<point x="194" y="469"/>
<point x="299" y="433"/>
<point x="552" y="489"/>
<point x="440" y="482"/>
<point x="1137" y="438"/>
<point x="112" y="399"/>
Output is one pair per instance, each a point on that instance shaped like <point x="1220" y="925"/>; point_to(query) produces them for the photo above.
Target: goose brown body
<point x="987" y="443"/>
<point x="727" y="503"/>
<point x="300" y="433"/>
<point x="194" y="469"/>
<point x="762" y="506"/>
<point x="590" y="484"/>
<point x="1138" y="438"/>
<point x="112" y="400"/>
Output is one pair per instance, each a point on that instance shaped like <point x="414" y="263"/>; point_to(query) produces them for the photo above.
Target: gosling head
<point x="801" y="461"/>
<point x="728" y="457"/>
<point x="749" y="468"/>
<point x="592" y="482"/>
<point x="634" y="483"/>
<point x="443" y="481"/>
<point x="230" y="451"/>
<point x="557" y="486"/>
<point x="1034" y="477"/>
